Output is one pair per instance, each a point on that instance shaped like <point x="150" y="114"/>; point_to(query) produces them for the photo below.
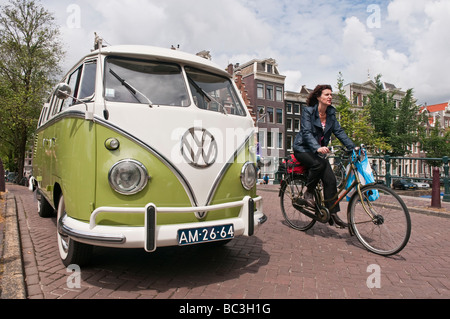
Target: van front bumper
<point x="152" y="235"/>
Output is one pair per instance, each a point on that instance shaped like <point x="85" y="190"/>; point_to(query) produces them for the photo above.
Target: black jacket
<point x="311" y="131"/>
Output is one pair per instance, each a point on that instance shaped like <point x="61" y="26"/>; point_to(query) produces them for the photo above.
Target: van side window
<point x="43" y="113"/>
<point x="87" y="86"/>
<point x="51" y="107"/>
<point x="73" y="81"/>
<point x="53" y="104"/>
<point x="82" y="83"/>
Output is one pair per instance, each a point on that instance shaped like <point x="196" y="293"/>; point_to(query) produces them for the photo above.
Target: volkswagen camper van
<point x="144" y="147"/>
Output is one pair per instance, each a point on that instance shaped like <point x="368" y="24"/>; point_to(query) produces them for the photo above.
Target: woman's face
<point x="326" y="97"/>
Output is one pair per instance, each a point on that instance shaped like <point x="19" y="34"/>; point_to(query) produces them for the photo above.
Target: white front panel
<point x="198" y="143"/>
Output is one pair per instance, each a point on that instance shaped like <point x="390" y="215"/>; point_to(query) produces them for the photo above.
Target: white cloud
<point x="312" y="41"/>
<point x="425" y="28"/>
<point x="364" y="57"/>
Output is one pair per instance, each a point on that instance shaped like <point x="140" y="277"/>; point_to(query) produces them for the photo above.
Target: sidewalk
<point x="12" y="284"/>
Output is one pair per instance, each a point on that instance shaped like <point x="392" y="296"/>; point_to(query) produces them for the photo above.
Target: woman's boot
<point x="334" y="219"/>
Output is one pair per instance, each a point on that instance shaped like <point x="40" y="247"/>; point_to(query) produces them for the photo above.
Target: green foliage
<point x="30" y="53"/>
<point x="398" y="127"/>
<point x="436" y="144"/>
<point x="356" y="122"/>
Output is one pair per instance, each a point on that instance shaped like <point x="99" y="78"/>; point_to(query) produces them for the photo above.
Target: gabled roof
<point x="372" y="84"/>
<point x="435" y="108"/>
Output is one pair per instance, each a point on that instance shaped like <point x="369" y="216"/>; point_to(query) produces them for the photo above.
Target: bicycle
<point x="339" y="170"/>
<point x="376" y="215"/>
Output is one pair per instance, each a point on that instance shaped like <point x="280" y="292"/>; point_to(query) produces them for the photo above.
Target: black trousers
<point x="319" y="169"/>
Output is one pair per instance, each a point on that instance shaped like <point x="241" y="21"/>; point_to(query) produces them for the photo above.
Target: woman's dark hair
<point x="314" y="95"/>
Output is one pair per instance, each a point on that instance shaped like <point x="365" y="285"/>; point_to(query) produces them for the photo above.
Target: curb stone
<point x="13" y="284"/>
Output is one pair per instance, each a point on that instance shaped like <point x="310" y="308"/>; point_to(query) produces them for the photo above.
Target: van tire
<point x="71" y="251"/>
<point x="45" y="210"/>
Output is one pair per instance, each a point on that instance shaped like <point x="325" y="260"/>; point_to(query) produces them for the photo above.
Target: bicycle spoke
<point x="290" y="192"/>
<point x="388" y="230"/>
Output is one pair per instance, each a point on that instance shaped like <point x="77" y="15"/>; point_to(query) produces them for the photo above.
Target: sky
<point x="407" y="42"/>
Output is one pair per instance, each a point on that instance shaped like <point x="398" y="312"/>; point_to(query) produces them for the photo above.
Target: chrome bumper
<point x="151" y="235"/>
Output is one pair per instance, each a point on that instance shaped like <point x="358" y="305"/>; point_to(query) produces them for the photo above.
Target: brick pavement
<point x="277" y="263"/>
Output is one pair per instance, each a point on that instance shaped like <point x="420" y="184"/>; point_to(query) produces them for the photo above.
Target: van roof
<point x="160" y="54"/>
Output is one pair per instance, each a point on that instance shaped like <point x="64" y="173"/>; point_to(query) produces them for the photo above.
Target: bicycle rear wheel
<point x="387" y="231"/>
<point x="291" y="190"/>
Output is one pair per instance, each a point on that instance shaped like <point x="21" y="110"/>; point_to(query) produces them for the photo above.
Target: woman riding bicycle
<point x="317" y="123"/>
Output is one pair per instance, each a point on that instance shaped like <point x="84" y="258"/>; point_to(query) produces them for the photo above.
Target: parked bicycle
<point x="376" y="215"/>
<point x="340" y="167"/>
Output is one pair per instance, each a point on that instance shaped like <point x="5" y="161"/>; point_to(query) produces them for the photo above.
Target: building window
<point x="289" y="127"/>
<point x="269" y="139"/>
<point x="270" y="114"/>
<point x="355" y="99"/>
<point x="297" y="125"/>
<point x="279" y="116"/>
<point x="261" y="139"/>
<point x="269" y="92"/>
<point x="261" y="117"/>
<point x="279" y="94"/>
<point x="280" y="140"/>
<point x="289" y="108"/>
<point x="296" y="108"/>
<point x="269" y="68"/>
<point x="260" y="91"/>
<point x="289" y="143"/>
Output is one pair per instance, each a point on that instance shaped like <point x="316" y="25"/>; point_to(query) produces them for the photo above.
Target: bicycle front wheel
<point x="380" y="221"/>
<point x="291" y="190"/>
<point x="339" y="172"/>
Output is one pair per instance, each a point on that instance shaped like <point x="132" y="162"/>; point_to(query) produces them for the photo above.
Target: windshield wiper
<point x="207" y="96"/>
<point x="130" y="88"/>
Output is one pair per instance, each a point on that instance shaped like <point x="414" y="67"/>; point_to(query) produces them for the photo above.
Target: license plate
<point x="205" y="234"/>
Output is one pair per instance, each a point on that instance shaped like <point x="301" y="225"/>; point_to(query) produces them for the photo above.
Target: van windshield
<point x="213" y="93"/>
<point x="147" y="82"/>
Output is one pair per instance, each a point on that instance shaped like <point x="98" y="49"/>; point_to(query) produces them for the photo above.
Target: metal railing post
<point x="446" y="197"/>
<point x="387" y="160"/>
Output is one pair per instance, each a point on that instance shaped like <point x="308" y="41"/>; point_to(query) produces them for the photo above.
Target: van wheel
<point x="71" y="251"/>
<point x="45" y="210"/>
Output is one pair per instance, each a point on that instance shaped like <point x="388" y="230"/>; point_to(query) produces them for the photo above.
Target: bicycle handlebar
<point x="344" y="149"/>
<point x="340" y="147"/>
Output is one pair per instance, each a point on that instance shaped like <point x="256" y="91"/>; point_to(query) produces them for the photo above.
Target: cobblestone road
<point x="277" y="263"/>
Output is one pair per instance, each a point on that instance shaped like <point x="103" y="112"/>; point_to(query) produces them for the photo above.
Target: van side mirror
<point x="63" y="91"/>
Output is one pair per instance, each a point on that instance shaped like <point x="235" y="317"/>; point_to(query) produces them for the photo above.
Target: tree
<point x="406" y="125"/>
<point x="436" y="144"/>
<point x="396" y="126"/>
<point x="356" y="122"/>
<point x="30" y="54"/>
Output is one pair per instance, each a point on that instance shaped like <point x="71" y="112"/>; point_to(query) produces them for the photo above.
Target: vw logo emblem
<point x="199" y="148"/>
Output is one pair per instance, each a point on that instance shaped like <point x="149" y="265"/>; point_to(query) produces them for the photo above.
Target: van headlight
<point x="128" y="177"/>
<point x="248" y="175"/>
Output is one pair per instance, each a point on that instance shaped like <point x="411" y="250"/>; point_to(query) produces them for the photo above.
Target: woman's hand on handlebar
<point x="323" y="150"/>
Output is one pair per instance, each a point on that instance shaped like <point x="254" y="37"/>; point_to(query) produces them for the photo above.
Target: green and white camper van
<point x="143" y="147"/>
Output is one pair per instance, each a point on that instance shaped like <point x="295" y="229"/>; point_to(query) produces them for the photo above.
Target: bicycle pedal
<point x="300" y="202"/>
